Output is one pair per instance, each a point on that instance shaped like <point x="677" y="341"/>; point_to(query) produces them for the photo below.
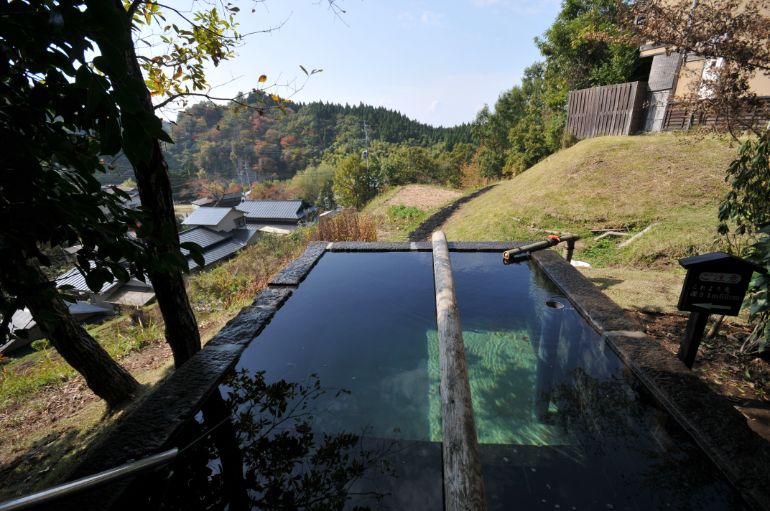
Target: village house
<point x="220" y="232"/>
<point x="277" y="216"/>
<point x="676" y="75"/>
<point x="660" y="100"/>
<point x="23" y="328"/>
<point x="227" y="200"/>
<point x="133" y="293"/>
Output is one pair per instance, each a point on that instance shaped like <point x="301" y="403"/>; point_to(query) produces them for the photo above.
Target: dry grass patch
<point x="400" y="210"/>
<point x="422" y="196"/>
<point x="347" y="225"/>
<point x="654" y="291"/>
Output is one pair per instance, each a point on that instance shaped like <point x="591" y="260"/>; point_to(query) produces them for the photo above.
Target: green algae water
<point x="560" y="422"/>
<point x="502" y="369"/>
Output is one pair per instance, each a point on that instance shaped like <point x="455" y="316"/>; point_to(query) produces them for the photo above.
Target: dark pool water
<point x="561" y="424"/>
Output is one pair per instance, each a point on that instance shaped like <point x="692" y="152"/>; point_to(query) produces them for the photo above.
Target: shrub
<point x="240" y="279"/>
<point x="403" y="213"/>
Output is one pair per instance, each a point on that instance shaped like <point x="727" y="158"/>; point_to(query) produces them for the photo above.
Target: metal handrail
<point x="88" y="482"/>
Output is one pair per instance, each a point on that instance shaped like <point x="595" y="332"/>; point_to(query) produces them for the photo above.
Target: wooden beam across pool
<point x="463" y="483"/>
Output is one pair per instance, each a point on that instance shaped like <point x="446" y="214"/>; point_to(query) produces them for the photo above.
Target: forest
<point x="262" y="139"/>
<point x="280" y="149"/>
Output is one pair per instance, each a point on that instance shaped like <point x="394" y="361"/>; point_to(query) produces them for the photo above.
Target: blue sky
<point x="436" y="61"/>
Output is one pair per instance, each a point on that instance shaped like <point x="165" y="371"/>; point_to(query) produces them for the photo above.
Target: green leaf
<point x="196" y="252"/>
<point x="154" y="127"/>
<point x="119" y="272"/>
<point x="110" y="139"/>
<point x="97" y="277"/>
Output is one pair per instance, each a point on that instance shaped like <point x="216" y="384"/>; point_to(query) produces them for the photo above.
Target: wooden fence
<point x="679" y="117"/>
<point x="608" y="110"/>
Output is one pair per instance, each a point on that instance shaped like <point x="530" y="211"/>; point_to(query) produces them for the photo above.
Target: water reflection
<point x="560" y="422"/>
<point x="254" y="446"/>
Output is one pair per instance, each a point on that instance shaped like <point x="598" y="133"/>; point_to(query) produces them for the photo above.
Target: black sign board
<point x="715" y="283"/>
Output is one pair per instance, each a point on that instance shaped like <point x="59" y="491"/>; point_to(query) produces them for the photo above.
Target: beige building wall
<point x="691" y="72"/>
<point x="760" y="85"/>
<point x="689" y="77"/>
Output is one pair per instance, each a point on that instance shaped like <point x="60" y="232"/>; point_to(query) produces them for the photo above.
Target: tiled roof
<point x="22" y="319"/>
<point x="206" y="216"/>
<point x="76" y="279"/>
<point x="245" y="234"/>
<point x="229" y="199"/>
<point x="218" y="252"/>
<point x="202" y="236"/>
<point x="216" y="245"/>
<point x="271" y="209"/>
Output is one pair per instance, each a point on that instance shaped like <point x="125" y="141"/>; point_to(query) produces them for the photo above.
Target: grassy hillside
<point x="612" y="182"/>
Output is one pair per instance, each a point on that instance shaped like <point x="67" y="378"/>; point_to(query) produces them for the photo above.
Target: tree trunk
<point x="181" y="328"/>
<point x="108" y="379"/>
<point x="154" y="186"/>
<point x="155" y="193"/>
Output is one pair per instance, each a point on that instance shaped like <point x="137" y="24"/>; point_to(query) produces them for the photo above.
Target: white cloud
<point x="434" y="105"/>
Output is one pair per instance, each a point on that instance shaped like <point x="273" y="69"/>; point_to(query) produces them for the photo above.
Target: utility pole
<point x="366" y="144"/>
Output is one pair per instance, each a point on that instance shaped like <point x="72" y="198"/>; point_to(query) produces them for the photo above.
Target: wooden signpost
<point x="715" y="283"/>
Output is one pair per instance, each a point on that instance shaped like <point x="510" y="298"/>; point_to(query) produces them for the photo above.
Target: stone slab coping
<point x="153" y="426"/>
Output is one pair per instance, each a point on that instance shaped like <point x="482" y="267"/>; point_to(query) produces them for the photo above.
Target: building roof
<point x="206" y="216"/>
<point x="202" y="236"/>
<point x="265" y="210"/>
<point x="21" y="320"/>
<point x="216" y="245"/>
<point x="245" y="234"/>
<point x="86" y="309"/>
<point x="229" y="199"/>
<point x="216" y="253"/>
<point x="77" y="281"/>
<point x="203" y="202"/>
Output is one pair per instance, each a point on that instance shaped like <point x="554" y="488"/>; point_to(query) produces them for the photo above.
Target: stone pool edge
<point x="715" y="425"/>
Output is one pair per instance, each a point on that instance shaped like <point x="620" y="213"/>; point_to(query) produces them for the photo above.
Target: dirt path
<point x="436" y="220"/>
